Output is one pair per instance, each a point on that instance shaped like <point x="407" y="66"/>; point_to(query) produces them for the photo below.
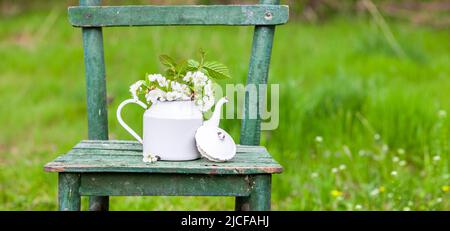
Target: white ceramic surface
<point x="169" y="129"/>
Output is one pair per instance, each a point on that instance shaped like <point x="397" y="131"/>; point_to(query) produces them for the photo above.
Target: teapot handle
<point x="121" y="122"/>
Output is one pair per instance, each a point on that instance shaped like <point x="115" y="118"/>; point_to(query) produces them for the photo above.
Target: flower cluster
<point x="194" y="86"/>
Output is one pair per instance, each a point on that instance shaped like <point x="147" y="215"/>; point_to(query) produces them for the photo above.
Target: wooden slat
<point x="239" y="15"/>
<point x="126" y="156"/>
<point x="136" y="146"/>
<point x="132" y="184"/>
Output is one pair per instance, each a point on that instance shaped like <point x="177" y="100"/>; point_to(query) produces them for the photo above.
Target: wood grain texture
<point x="126" y="156"/>
<point x="141" y="184"/>
<point x="235" y="15"/>
<point x="259" y="197"/>
<point x="257" y="74"/>
<point x="96" y="91"/>
<point x="69" y="198"/>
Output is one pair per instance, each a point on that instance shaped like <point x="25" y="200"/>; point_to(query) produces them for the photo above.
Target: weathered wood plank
<point x="68" y="191"/>
<point x="96" y="90"/>
<point x="259" y="198"/>
<point x="87" y="159"/>
<point x="257" y="75"/>
<point x="134" y="184"/>
<point x="134" y="145"/>
<point x="242" y="15"/>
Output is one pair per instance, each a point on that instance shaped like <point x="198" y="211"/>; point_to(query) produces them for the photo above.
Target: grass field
<point x="360" y="128"/>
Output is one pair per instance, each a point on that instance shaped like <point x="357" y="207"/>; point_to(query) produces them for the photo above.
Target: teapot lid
<point x="215" y="144"/>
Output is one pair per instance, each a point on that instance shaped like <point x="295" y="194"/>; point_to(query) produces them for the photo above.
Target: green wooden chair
<point x="100" y="168"/>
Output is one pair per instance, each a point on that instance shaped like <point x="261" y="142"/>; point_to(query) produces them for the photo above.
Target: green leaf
<point x="193" y="64"/>
<point x="217" y="70"/>
<point x="167" y="61"/>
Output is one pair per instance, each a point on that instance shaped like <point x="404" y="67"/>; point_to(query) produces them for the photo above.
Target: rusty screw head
<point x="268" y="15"/>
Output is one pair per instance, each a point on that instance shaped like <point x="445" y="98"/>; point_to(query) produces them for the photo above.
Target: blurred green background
<point x="364" y="93"/>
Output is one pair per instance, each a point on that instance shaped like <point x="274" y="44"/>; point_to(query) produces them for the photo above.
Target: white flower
<point x="395" y="159"/>
<point x="442" y="114"/>
<point x="358" y="207"/>
<point x="375" y="192"/>
<point x="172" y="95"/>
<point x="406" y="209"/>
<point x="319" y="139"/>
<point x="314" y="175"/>
<point x="154" y="77"/>
<point x="153" y="95"/>
<point x="162" y="81"/>
<point x="402" y="163"/>
<point x="394" y="173"/>
<point x="377" y="136"/>
<point x="199" y="79"/>
<point x="334" y="170"/>
<point x="436" y="158"/>
<point x="135" y="87"/>
<point x="342" y="167"/>
<point x="188" y="77"/>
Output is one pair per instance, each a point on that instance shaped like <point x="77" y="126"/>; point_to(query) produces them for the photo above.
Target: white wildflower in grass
<point x="314" y="175"/>
<point x="406" y="209"/>
<point x="135" y="88"/>
<point x="377" y="136"/>
<point x="436" y="158"/>
<point x="319" y="139"/>
<point x="374" y="192"/>
<point x="442" y="114"/>
<point x="402" y="163"/>
<point x="385" y="148"/>
<point x="342" y="167"/>
<point x="395" y="159"/>
<point x="358" y="207"/>
<point x="438" y="200"/>
<point x="334" y="170"/>
<point x="401" y="151"/>
<point x="394" y="173"/>
<point x="361" y="153"/>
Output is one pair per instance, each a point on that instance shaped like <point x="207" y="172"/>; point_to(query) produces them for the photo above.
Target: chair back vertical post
<point x="96" y="91"/>
<point x="257" y="74"/>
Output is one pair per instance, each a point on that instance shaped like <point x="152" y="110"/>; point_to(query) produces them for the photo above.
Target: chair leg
<point x="98" y="203"/>
<point x="259" y="198"/>
<point x="69" y="198"/>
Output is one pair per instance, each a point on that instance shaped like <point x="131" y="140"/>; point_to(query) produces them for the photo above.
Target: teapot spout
<point x="215" y="118"/>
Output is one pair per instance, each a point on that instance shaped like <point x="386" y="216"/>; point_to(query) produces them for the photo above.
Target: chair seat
<point x="126" y="156"/>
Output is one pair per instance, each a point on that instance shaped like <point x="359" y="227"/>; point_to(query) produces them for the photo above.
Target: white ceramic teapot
<point x="170" y="127"/>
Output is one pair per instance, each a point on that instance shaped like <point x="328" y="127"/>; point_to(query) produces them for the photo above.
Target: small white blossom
<point x="358" y="207"/>
<point x="375" y="192"/>
<point x="402" y="163"/>
<point x="314" y="175"/>
<point x="135" y="87"/>
<point x="395" y="159"/>
<point x="436" y="158"/>
<point x="377" y="136"/>
<point x="319" y="139"/>
<point x="406" y="209"/>
<point x="334" y="170"/>
<point x="154" y="95"/>
<point x="154" y="77"/>
<point x="394" y="173"/>
<point x="342" y="167"/>
<point x="442" y="114"/>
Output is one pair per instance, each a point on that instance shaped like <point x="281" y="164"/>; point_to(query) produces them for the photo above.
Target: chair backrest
<point x="92" y="17"/>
